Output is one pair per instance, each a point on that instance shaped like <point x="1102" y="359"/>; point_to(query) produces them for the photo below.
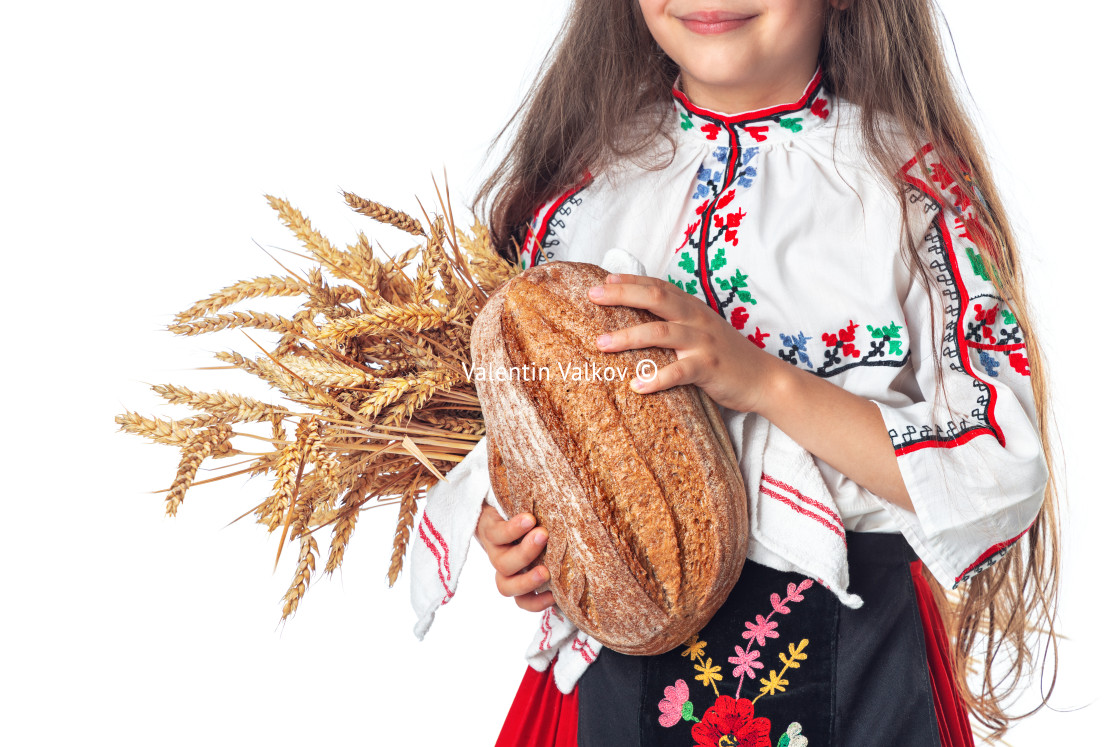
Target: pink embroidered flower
<point x="732" y="721"/>
<point x="760" y="632"/>
<point x="746" y="662"/>
<point x="676" y="695"/>
<point x="794" y="593"/>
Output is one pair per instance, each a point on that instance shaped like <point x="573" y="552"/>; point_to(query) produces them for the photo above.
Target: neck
<point x="746" y="97"/>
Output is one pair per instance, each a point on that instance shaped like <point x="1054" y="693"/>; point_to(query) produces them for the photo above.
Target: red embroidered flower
<point x="846" y="336"/>
<point x="734" y="718"/>
<point x="986" y="317"/>
<point x="711" y="130"/>
<point x="1019" y="363"/>
<point x="739" y="317"/>
<point x="725" y="198"/>
<point x="960" y="199"/>
<point x="759" y="337"/>
<point x="819" y="109"/>
<point x="941" y="175"/>
<point x="758" y="133"/>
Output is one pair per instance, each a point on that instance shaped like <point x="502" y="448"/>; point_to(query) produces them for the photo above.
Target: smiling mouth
<point x="714" y="22"/>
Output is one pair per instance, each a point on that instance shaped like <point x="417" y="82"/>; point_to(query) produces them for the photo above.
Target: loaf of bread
<point x="641" y="494"/>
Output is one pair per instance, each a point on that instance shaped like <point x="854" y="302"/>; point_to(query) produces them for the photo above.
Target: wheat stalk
<point x="384" y="214"/>
<point x="273" y="285"/>
<point x="372" y="369"/>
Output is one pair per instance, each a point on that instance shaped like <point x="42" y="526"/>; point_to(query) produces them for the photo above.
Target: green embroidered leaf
<point x="791" y="123"/>
<point x="718" y="261"/>
<point x="884" y="333"/>
<point x="1008" y="317"/>
<point x="686" y="263"/>
<point x="674" y="281"/>
<point x="690" y="287"/>
<point x="977" y="263"/>
<point x="895" y="347"/>
<point x="687" y="710"/>
<point x="686" y="123"/>
<point x="784" y="741"/>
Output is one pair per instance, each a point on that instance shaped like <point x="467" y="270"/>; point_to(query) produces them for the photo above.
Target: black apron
<point x="781" y="664"/>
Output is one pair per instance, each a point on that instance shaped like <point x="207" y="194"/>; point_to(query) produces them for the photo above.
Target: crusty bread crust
<point x="641" y="493"/>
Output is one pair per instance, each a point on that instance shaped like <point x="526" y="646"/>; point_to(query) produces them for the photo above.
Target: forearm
<point x="842" y="429"/>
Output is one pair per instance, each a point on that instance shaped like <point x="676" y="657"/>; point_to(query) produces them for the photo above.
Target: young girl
<point x="825" y="244"/>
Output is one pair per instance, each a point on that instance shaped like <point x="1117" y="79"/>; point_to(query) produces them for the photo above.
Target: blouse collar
<point x="752" y="127"/>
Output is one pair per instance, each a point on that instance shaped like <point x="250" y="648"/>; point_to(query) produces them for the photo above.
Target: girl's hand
<point x="511" y="546"/>
<point x="711" y="353"/>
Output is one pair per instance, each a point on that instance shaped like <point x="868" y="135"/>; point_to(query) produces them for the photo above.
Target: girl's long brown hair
<point x="585" y="110"/>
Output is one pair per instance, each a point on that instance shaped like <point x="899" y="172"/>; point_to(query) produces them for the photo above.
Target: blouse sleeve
<point x="547" y="238"/>
<point x="971" y="459"/>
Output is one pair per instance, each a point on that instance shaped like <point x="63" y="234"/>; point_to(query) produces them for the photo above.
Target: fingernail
<point x="596" y="291"/>
<point x="539" y="538"/>
<point x="527" y="522"/>
<point x="603" y="340"/>
<point x="637" y="385"/>
<point x="612" y="278"/>
<point x="542" y="572"/>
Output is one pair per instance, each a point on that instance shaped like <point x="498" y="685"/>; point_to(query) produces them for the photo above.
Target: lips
<point x="715" y="16"/>
<point x="714" y="21"/>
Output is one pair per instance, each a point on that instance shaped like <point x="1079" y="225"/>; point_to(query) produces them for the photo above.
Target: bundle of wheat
<point x="375" y="369"/>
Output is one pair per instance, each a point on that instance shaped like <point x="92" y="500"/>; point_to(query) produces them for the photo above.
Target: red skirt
<point x="542" y="716"/>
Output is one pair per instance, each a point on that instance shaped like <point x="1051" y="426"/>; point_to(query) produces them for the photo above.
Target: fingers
<point x="511" y="559"/>
<point x="660" y="334"/>
<point x="654" y="294"/>
<point x="682" y="371"/>
<point x="520" y="584"/>
<point x="493" y="530"/>
<point x="535" y="602"/>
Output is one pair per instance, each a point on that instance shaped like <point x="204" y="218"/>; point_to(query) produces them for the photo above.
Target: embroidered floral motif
<point x="796" y="345"/>
<point x="792" y="737"/>
<point x="676" y="705"/>
<point x="792" y="124"/>
<point x="777" y="681"/>
<point x="845" y="347"/>
<point x="731" y="721"/>
<point x="709" y="675"/>
<point x="758" y="633"/>
<point x="694" y="648"/>
<point x="747" y="662"/>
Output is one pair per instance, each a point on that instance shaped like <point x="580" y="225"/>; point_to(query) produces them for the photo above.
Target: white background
<point x="138" y="140"/>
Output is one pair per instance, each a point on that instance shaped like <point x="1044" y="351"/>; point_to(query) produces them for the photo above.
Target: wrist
<point x="779" y="380"/>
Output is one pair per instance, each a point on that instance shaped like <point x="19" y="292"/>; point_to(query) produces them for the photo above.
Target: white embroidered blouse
<point x="777" y="221"/>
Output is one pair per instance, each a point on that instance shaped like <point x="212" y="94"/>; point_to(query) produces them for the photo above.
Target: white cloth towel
<point x="794" y="526"/>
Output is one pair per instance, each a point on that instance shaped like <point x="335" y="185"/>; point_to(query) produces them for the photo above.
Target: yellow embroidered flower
<point x="776" y="683"/>
<point x="796" y="655"/>
<point x="709" y="674"/>
<point x="694" y="648"/>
